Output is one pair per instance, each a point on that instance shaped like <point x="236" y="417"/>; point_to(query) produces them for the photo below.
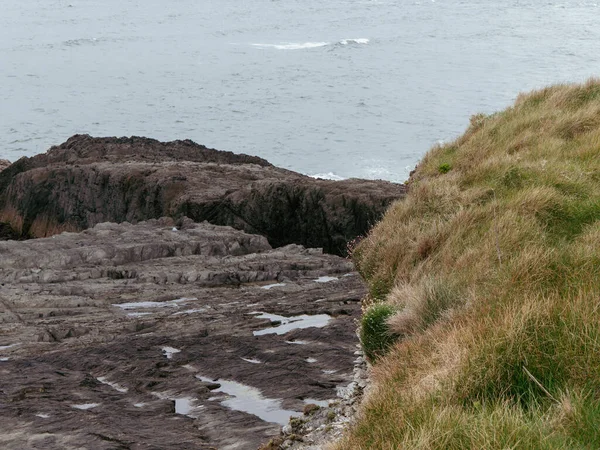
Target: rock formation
<point x="4" y="163"/>
<point x="89" y="180"/>
<point x="134" y="336"/>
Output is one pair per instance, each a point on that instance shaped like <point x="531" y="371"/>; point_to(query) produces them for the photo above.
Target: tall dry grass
<point x="493" y="263"/>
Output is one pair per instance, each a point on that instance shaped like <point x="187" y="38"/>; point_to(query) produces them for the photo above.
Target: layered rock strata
<point x="89" y="180"/>
<point x="164" y="335"/>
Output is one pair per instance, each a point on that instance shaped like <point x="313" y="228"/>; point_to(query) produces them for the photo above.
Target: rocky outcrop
<point x="89" y="180"/>
<point x="155" y="335"/>
<point x="4" y="163"/>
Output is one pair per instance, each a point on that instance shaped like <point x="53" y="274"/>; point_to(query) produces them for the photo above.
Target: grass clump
<point x="375" y="335"/>
<point x="444" y="168"/>
<point x="490" y="273"/>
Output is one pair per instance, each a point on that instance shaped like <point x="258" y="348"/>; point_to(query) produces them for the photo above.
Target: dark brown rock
<point x="89" y="180"/>
<point x="89" y="359"/>
<point x="7" y="232"/>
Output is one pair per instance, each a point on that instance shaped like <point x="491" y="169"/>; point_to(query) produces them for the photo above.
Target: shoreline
<point x="204" y="327"/>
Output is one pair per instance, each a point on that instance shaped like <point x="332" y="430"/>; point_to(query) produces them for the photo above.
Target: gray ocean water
<point x="342" y="88"/>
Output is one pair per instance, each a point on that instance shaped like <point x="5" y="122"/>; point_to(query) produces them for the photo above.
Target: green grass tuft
<point x="375" y="335"/>
<point x="444" y="168"/>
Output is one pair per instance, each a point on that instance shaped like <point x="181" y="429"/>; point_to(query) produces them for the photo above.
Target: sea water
<point x="334" y="88"/>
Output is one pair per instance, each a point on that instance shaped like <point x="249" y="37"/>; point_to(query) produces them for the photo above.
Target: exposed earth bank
<point x="89" y="180"/>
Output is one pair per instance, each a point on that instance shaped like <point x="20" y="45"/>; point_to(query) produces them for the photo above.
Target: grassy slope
<point x="493" y="262"/>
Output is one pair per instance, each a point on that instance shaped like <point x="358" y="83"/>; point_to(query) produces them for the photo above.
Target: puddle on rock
<point x="139" y="314"/>
<point x="4" y="347"/>
<point x="229" y="304"/>
<point x="170" y="351"/>
<point x="292" y="323"/>
<point x="252" y="360"/>
<point x="85" y="406"/>
<point x="325" y="279"/>
<point x="250" y="400"/>
<point x="115" y="386"/>
<point x="190" y="311"/>
<point x="271" y="286"/>
<point x="143" y="305"/>
<point x="183" y="405"/>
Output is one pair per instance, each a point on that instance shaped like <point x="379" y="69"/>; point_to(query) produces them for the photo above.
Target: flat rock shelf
<point x="156" y="335"/>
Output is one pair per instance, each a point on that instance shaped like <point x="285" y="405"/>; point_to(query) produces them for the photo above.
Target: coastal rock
<point x="4" y="163"/>
<point x="146" y="335"/>
<point x="87" y="181"/>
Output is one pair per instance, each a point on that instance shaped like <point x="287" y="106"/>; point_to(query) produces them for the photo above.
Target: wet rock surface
<point x="321" y="425"/>
<point x="89" y="180"/>
<point x="168" y="335"/>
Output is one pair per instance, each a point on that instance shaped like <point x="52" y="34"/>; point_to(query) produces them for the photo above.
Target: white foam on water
<point x="292" y="323"/>
<point x="250" y="400"/>
<point x="361" y="41"/>
<point x="310" y="360"/>
<point x="43" y="416"/>
<point x="292" y="45"/>
<point x="271" y="286"/>
<point x="85" y="406"/>
<point x="325" y="279"/>
<point x="115" y="386"/>
<point x="170" y="351"/>
<point x="327" y="176"/>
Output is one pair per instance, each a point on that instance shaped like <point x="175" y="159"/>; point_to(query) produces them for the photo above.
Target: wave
<point x="307" y="45"/>
<point x="359" y="41"/>
<point x="293" y="46"/>
<point x="327" y="176"/>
